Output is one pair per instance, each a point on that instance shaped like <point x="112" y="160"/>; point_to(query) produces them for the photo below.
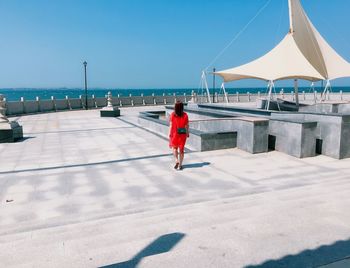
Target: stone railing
<point x="53" y="105"/>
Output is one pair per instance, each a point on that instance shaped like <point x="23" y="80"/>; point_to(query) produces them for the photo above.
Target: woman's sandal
<point x="176" y="165"/>
<point x="181" y="168"/>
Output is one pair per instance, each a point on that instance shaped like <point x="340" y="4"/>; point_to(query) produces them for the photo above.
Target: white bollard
<point x="53" y="103"/>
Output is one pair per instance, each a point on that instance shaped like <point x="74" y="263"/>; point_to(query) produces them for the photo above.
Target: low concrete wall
<point x="23" y="107"/>
<point x="198" y="140"/>
<point x="75" y="104"/>
<point x="47" y="106"/>
<point x="14" y="107"/>
<point x="341" y="108"/>
<point x="115" y="101"/>
<point x="170" y="99"/>
<point x="61" y="105"/>
<point x="31" y="107"/>
<point x="101" y="102"/>
<point x="125" y="101"/>
<point x="149" y="100"/>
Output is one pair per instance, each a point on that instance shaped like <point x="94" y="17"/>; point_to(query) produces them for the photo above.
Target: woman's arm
<point x="169" y="132"/>
<point x="170" y="124"/>
<point x="187" y="126"/>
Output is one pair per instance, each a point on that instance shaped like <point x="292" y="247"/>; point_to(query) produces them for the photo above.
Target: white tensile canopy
<point x="302" y="54"/>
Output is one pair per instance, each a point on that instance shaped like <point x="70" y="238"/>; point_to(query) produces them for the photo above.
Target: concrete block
<point x="10" y="132"/>
<point x="218" y="141"/>
<point x="296" y="138"/>
<point x="344" y="108"/>
<point x="110" y="112"/>
<point x="345" y="138"/>
<point x="252" y="134"/>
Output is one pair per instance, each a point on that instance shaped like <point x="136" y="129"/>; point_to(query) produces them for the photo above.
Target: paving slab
<point x="86" y="191"/>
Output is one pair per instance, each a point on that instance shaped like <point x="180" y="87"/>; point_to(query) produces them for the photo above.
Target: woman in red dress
<point x="178" y="133"/>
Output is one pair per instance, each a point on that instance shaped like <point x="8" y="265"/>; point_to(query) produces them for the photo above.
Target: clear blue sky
<point x="146" y="43"/>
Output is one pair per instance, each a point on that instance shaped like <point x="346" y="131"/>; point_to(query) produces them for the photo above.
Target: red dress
<point x="177" y="140"/>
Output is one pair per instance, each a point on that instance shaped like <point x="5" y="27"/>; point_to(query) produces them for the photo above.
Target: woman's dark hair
<point x="179" y="108"/>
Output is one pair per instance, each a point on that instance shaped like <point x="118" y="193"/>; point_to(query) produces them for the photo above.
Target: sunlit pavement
<point x="85" y="191"/>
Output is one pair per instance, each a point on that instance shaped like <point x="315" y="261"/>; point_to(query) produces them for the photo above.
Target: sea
<point x="15" y="94"/>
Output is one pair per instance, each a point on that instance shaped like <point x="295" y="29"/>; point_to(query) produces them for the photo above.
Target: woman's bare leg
<point x="176" y="155"/>
<point x="182" y="155"/>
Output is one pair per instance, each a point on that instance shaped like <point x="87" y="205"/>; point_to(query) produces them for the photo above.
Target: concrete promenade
<point x="85" y="191"/>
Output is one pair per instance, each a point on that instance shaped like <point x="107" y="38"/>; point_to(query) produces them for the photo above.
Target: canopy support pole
<point x="269" y="96"/>
<point x="224" y="90"/>
<point x="271" y="86"/>
<point x="296" y="93"/>
<point x="326" y="90"/>
<point x="205" y="85"/>
<point x="312" y="89"/>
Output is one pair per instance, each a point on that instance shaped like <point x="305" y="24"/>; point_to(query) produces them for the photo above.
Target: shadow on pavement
<point x="87" y="164"/>
<point x="162" y="244"/>
<point x="196" y="165"/>
<point x="25" y="138"/>
<point x="321" y="256"/>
